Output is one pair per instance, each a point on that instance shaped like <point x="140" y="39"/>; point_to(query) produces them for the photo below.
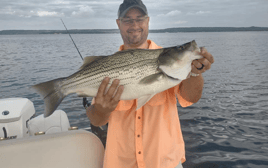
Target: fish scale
<point x="135" y="71"/>
<point x="99" y="67"/>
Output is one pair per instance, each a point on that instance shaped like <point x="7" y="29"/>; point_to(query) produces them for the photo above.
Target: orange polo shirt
<point x="150" y="137"/>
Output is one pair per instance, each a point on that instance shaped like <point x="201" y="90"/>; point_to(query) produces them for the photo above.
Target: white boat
<point x="37" y="142"/>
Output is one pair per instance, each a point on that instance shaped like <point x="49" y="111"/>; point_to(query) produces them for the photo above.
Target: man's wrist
<point x="96" y="117"/>
<point x="194" y="74"/>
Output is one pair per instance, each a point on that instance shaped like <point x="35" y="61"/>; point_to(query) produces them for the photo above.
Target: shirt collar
<point x="152" y="45"/>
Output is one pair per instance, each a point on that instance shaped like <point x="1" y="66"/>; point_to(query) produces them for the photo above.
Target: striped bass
<point x="143" y="73"/>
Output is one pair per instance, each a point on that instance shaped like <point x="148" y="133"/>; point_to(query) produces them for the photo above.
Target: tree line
<point x="110" y="31"/>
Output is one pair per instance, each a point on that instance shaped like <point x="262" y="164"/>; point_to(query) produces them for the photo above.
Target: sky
<point x="101" y="14"/>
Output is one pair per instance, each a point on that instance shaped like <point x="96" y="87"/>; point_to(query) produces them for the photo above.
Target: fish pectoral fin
<point x="89" y="60"/>
<point x="143" y="100"/>
<point x="151" y="79"/>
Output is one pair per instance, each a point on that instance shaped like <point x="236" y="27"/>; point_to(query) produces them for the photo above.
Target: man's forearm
<point x="191" y="88"/>
<point x="95" y="117"/>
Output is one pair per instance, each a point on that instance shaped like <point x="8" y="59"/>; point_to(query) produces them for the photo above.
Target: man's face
<point x="134" y="33"/>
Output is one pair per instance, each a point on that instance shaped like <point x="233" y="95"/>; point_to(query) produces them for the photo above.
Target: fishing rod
<point x="101" y="131"/>
<point x="72" y="39"/>
<point x="85" y="102"/>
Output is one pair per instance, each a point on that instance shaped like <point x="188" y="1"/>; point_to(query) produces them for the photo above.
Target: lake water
<point x="228" y="127"/>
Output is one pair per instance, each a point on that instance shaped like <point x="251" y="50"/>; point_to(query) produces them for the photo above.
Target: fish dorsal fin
<point x="89" y="60"/>
<point x="143" y="100"/>
<point x="151" y="78"/>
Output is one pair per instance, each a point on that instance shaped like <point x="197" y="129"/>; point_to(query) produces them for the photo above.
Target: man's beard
<point x="136" y="40"/>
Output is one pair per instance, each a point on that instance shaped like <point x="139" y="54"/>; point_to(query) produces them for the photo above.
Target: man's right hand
<point x="105" y="103"/>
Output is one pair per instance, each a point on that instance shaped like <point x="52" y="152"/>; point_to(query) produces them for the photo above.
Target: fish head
<point x="191" y="46"/>
<point x="186" y="53"/>
<point x="176" y="61"/>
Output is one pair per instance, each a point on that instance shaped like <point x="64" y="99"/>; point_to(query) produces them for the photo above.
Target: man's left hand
<point x="206" y="61"/>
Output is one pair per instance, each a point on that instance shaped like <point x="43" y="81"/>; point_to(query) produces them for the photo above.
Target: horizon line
<point x="149" y="29"/>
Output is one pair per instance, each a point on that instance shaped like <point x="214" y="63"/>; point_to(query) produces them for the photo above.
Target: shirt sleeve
<point x="181" y="100"/>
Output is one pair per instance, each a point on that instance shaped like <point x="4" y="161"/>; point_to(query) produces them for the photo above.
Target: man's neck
<point x="142" y="46"/>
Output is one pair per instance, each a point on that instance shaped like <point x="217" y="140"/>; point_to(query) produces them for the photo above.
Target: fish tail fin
<point x="51" y="93"/>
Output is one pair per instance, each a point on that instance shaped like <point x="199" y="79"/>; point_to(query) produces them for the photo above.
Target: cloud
<point x="202" y="12"/>
<point x="180" y="22"/>
<point x="61" y="2"/>
<point x="28" y="14"/>
<point x="171" y="13"/>
<point x="83" y="11"/>
<point x="34" y="14"/>
<point x="47" y="13"/>
<point x="9" y="12"/>
<point x="198" y="13"/>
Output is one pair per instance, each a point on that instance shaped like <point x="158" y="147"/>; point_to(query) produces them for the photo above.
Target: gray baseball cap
<point x="128" y="4"/>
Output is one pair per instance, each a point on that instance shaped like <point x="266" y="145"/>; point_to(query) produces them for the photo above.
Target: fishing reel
<point x="100" y="132"/>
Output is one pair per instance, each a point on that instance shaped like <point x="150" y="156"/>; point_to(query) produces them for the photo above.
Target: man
<point x="151" y="136"/>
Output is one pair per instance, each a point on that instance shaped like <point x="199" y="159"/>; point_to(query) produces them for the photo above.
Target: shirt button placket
<point x="138" y="137"/>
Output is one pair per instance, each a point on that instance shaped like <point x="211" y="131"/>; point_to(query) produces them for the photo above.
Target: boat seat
<point x="71" y="149"/>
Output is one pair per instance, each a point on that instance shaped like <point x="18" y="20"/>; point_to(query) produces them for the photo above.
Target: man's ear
<point x="118" y="23"/>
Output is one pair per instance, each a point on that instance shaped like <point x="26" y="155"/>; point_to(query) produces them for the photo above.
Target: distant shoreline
<point x="112" y="31"/>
